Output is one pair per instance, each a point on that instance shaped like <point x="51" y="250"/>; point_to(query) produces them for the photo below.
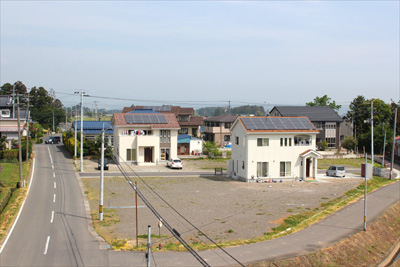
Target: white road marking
<point x="55" y="186"/>
<point x="54" y="198"/>
<point x="20" y="210"/>
<point x="52" y="217"/>
<point x="51" y="159"/>
<point x="54" y="175"/>
<point x="47" y="245"/>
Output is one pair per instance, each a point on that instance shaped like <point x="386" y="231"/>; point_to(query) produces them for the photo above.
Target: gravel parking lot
<point x="221" y="208"/>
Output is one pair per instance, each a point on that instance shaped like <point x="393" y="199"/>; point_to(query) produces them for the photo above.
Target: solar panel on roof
<point x="277" y="124"/>
<point x="145" y="119"/>
<point x="158" y="108"/>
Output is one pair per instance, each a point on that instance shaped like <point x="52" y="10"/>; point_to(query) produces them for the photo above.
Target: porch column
<point x="315" y="161"/>
<point x="303" y="170"/>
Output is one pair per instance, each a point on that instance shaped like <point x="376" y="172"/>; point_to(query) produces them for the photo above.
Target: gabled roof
<point x="5" y="101"/>
<point x="93" y="127"/>
<point x="222" y="118"/>
<point x="118" y="119"/>
<point x="322" y="114"/>
<point x="194" y="121"/>
<point x="309" y="152"/>
<point x="276" y="124"/>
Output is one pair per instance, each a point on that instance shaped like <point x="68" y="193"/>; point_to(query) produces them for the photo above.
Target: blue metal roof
<point x="96" y="132"/>
<point x="92" y="125"/>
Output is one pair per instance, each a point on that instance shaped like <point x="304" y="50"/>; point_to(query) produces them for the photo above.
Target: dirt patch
<point x="362" y="249"/>
<point x="223" y="209"/>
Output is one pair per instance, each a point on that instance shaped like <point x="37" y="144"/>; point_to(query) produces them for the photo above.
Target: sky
<point x="202" y="53"/>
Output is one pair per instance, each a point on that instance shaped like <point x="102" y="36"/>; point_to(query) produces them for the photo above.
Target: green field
<point x="325" y="163"/>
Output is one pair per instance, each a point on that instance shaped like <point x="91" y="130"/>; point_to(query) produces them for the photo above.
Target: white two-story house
<point x="145" y="138"/>
<point x="273" y="148"/>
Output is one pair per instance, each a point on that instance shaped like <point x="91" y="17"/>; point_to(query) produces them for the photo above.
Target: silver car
<point x="336" y="171"/>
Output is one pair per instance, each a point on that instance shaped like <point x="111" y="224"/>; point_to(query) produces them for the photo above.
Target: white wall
<point x="248" y="152"/>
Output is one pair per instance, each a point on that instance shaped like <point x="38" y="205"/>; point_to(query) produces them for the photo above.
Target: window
<point x="183" y="118"/>
<point x="302" y="140"/>
<point x="5" y="113"/>
<point x="285" y="168"/>
<point x="318" y="125"/>
<point x="183" y="131"/>
<point x="243" y="165"/>
<point x="262" y="169"/>
<point x="164" y="153"/>
<point x="228" y="125"/>
<point x="262" y="141"/>
<point x="130" y="154"/>
<point x="227" y="138"/>
<point x="286" y="141"/>
<point x="237" y="140"/>
<point x="165" y="136"/>
<point x="331" y="142"/>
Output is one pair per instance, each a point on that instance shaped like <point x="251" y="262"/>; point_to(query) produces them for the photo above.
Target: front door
<point x="307" y="168"/>
<point x="148" y="154"/>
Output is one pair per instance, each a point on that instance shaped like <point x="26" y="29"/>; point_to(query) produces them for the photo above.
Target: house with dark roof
<point x="92" y="129"/>
<point x="145" y="138"/>
<point x="325" y="119"/>
<point x="217" y="129"/>
<point x="273" y="148"/>
<point x="9" y="118"/>
<point x="189" y="124"/>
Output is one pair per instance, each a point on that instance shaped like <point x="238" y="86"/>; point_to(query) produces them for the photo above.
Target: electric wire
<point x="191" y="224"/>
<point x="155" y="212"/>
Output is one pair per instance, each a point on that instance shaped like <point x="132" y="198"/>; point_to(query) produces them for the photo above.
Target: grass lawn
<point x="325" y="163"/>
<point x="9" y="177"/>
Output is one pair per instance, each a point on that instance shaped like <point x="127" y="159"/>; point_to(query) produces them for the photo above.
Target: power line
<point x="191" y="224"/>
<point x="174" y="232"/>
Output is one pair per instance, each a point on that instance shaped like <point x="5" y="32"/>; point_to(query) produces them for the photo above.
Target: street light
<point x="81" y="92"/>
<point x="102" y="174"/>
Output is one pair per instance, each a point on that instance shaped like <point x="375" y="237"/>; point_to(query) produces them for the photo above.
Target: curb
<point x="102" y="243"/>
<point x="390" y="256"/>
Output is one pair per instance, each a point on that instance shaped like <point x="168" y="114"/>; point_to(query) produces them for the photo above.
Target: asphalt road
<point x="52" y="229"/>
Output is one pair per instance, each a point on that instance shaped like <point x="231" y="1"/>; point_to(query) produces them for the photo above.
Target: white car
<point x="175" y="163"/>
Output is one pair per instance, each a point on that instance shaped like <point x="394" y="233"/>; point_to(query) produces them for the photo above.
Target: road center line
<point x="52" y="217"/>
<point x="54" y="175"/>
<point x="55" y="186"/>
<point x="51" y="159"/>
<point x="54" y="198"/>
<point x="47" y="245"/>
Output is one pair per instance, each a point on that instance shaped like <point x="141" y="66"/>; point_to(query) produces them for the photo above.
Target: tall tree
<point x="324" y="101"/>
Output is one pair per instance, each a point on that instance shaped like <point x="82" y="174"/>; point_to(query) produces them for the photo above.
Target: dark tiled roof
<point x="313" y="113"/>
<point x="222" y="118"/>
<point x="5" y="101"/>
<point x="194" y="121"/>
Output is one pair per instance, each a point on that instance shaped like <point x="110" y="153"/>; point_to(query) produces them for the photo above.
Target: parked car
<point x="175" y="163"/>
<point x="336" y="171"/>
<point x="105" y="164"/>
<point x="52" y="140"/>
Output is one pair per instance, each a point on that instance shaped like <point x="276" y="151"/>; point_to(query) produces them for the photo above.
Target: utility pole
<point x="148" y="245"/>
<point x="27" y="131"/>
<point x="53" y="122"/>
<point x="95" y="108"/>
<point x="372" y="133"/>
<point x="101" y="177"/>
<point x="137" y="220"/>
<point x="81" y="93"/>
<point x="394" y="140"/>
<point x="229" y="107"/>
<point x="21" y="179"/>
<point x="365" y="195"/>
<point x="384" y="144"/>
<point x="76" y="118"/>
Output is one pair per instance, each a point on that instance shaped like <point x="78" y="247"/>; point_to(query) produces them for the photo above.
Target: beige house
<point x="217" y="129"/>
<point x="145" y="138"/>
<point x="279" y="148"/>
<point x="9" y="119"/>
